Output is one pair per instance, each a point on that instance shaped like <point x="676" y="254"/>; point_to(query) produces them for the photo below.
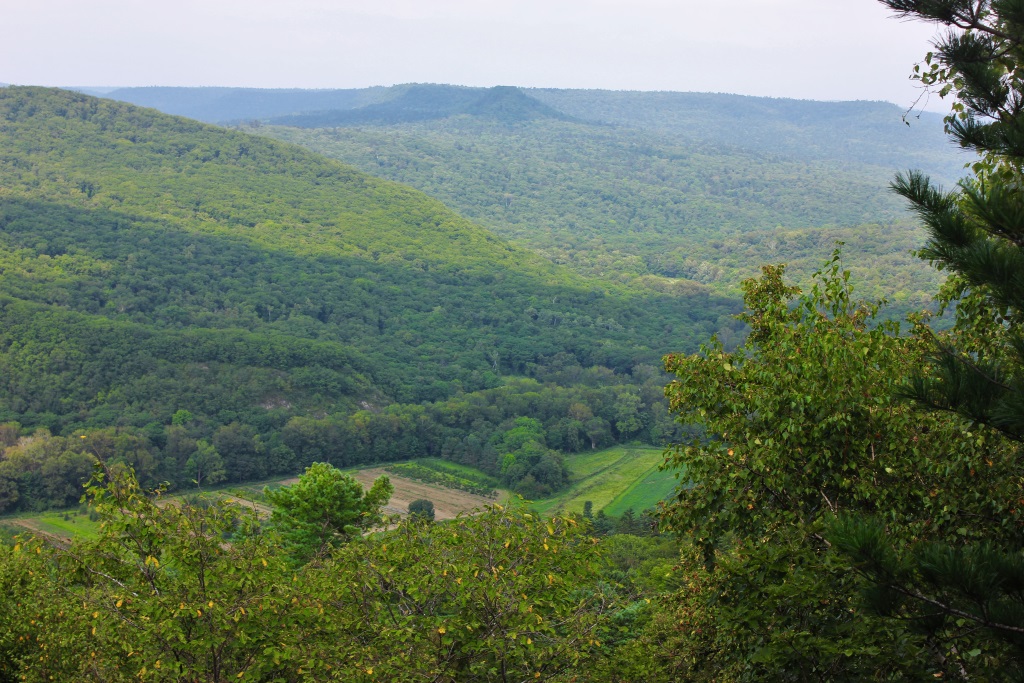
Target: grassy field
<point x="55" y="524"/>
<point x="613" y="480"/>
<point x="62" y="525"/>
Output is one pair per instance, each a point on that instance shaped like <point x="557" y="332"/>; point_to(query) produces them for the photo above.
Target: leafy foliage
<point x="324" y="509"/>
<point x="170" y="592"/>
<point x="423" y="508"/>
<point x="970" y="587"/>
<point x="805" y="428"/>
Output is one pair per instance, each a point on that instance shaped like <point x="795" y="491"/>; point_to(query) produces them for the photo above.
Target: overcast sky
<point x="811" y="49"/>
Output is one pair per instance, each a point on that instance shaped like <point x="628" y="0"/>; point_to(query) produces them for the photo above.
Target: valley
<point x="613" y="479"/>
<point x="434" y="382"/>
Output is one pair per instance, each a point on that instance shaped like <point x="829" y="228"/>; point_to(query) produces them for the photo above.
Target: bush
<point x="423" y="508"/>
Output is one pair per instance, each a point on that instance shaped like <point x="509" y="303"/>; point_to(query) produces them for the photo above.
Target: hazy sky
<point x="815" y="49"/>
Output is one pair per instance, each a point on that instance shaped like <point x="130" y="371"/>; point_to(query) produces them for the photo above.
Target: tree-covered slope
<point x="873" y="133"/>
<point x="151" y="263"/>
<point x="639" y="185"/>
<point x="639" y="205"/>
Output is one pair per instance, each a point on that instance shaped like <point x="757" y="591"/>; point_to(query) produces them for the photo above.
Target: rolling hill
<point x="129" y="234"/>
<point x="199" y="303"/>
<point x="636" y="186"/>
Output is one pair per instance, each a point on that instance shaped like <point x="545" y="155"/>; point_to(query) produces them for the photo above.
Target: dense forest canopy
<point x="152" y="264"/>
<point x="631" y="186"/>
<point x="636" y="206"/>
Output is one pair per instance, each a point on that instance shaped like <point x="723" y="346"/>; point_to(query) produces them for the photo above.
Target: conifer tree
<point x="324" y="509"/>
<point x="976" y="233"/>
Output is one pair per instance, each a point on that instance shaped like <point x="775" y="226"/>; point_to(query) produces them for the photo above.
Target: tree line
<point x="517" y="432"/>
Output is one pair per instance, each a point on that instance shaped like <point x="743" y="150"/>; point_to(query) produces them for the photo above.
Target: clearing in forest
<point x="614" y="480"/>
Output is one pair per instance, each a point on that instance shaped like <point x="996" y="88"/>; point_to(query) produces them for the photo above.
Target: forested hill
<point x="431" y="102"/>
<point x="632" y="185"/>
<point x="150" y="264"/>
<point x="873" y="133"/>
<point x="865" y="132"/>
<point x="634" y="204"/>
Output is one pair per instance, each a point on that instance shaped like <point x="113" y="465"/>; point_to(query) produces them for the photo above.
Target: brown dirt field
<point x="448" y="503"/>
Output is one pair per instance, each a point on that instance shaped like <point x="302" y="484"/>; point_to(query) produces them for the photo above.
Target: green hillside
<point x="632" y="186"/>
<point x="613" y="480"/>
<point x="636" y="205"/>
<point x="156" y="270"/>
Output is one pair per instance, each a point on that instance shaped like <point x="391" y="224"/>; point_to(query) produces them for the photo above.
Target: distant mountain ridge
<point x="878" y="133"/>
<point x="866" y="132"/>
<point x="417" y="103"/>
<point x="220" y="105"/>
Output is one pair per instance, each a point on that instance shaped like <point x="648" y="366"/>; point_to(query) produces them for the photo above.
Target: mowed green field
<point x="614" y="480"/>
<point x="55" y="524"/>
<point x="64" y="525"/>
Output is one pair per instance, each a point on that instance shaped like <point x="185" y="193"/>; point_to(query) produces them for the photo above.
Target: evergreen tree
<point x="603" y="524"/>
<point x="324" y="509"/>
<point x="628" y="523"/>
<point x="422" y="508"/>
<point x="976" y="371"/>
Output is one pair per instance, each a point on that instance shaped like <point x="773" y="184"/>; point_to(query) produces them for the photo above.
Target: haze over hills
<point x="219" y="105"/>
<point x="631" y="185"/>
<point x="872" y="132"/>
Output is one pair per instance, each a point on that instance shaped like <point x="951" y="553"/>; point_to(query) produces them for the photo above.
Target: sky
<point x="807" y="49"/>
